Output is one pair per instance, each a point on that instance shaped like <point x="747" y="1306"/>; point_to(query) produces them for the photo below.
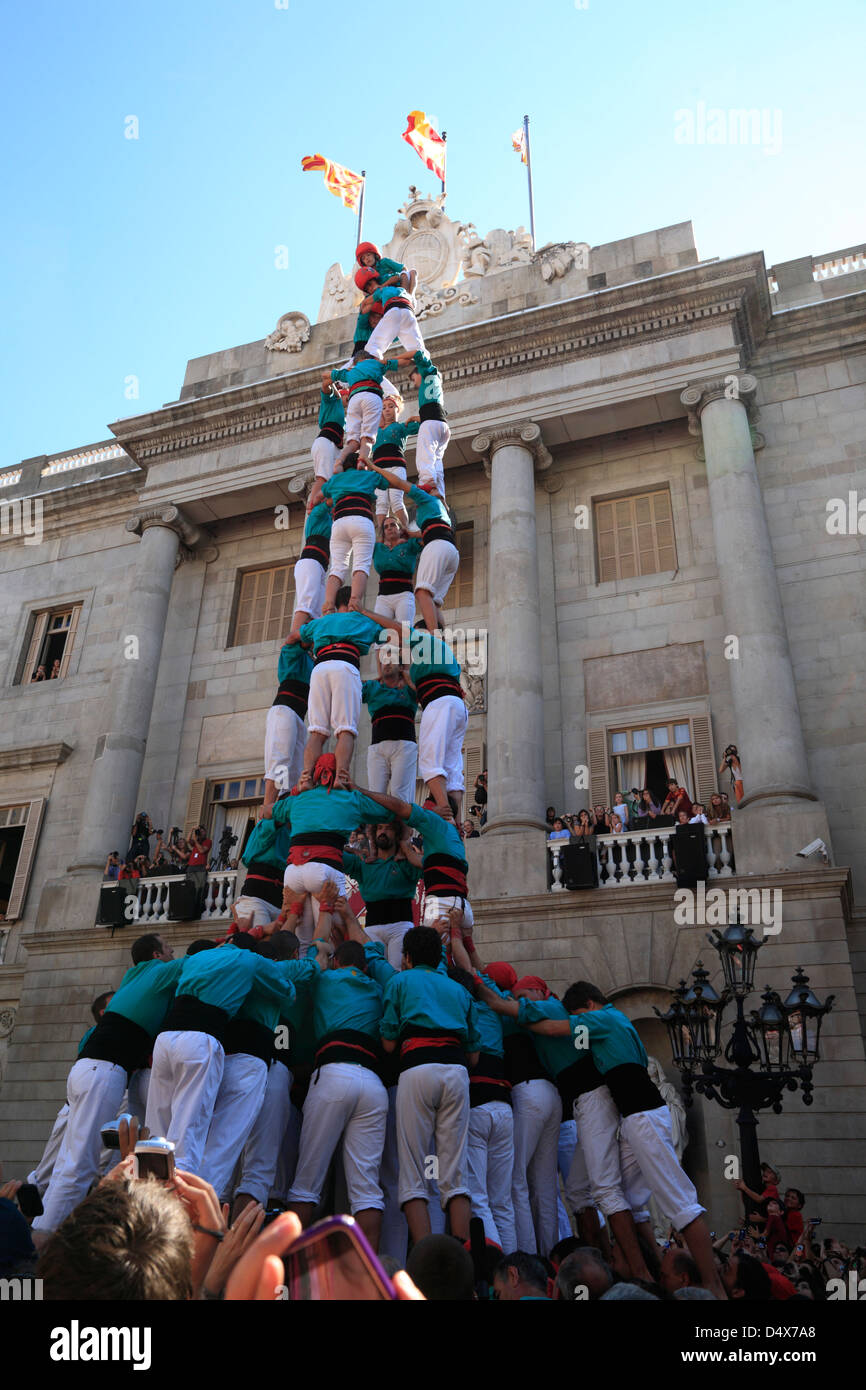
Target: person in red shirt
<point x="793" y="1215"/>
<point x="676" y="800"/>
<point x="770" y="1180"/>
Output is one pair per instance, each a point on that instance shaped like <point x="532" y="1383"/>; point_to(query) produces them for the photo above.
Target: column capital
<point x="523" y="434"/>
<point x="736" y="386"/>
<point x="170" y="517"/>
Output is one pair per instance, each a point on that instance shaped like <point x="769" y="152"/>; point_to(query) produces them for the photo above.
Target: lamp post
<point x="771" y="1052"/>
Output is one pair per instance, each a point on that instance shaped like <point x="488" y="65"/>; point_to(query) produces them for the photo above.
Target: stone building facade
<point x="644" y="449"/>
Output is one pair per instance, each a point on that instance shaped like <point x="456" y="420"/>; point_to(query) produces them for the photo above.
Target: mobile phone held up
<point x="334" y="1261"/>
<point x="154" y="1158"/>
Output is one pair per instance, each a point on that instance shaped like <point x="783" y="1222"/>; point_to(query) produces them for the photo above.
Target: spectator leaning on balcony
<point x="676" y="800"/>
<point x="633" y="803"/>
<point x="719" y="809"/>
<point x="582" y="826"/>
<point x="550" y="817"/>
<point x="620" y="809"/>
<point x="699" y="814"/>
<point x="559" y="831"/>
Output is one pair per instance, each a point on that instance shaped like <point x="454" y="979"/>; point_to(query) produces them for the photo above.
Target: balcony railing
<point x="152" y="894"/>
<point x="644" y="856"/>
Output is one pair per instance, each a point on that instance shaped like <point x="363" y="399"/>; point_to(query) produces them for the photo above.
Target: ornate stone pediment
<point x="290" y="334"/>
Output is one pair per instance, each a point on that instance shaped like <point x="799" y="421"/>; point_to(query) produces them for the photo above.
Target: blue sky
<point x="127" y="257"/>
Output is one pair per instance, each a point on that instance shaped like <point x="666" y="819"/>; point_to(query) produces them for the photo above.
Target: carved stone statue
<point x="557" y="258"/>
<point x="290" y="334"/>
<point x="473" y="687"/>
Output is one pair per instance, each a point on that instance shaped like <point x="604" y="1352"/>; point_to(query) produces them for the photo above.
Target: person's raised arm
<point x="399" y="808"/>
<point x="406" y="850"/>
<point x="354" y="930"/>
<point x="392" y="479"/>
<point x="511" y="1007"/>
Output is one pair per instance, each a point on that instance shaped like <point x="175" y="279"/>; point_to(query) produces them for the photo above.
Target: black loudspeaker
<point x="690" y="855"/>
<point x="579" y="869"/>
<point x="182" y="902"/>
<point x="111" y="902"/>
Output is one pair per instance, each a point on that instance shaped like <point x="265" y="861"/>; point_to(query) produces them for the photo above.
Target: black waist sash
<point x="575" y="1080"/>
<point x="191" y="1015"/>
<point x="265" y="882"/>
<point x="348" y="1045"/>
<point x="487" y="1080"/>
<point x="384" y="911"/>
<point x="631" y="1088"/>
<point x="397" y="304"/>
<point x="324" y="847"/>
<point x="117" y="1039"/>
<point x="436" y="529"/>
<point x="432" y="410"/>
<point x="340" y="651"/>
<point x="317" y="548"/>
<point x="394" y="721"/>
<point x="521" y="1060"/>
<point x="354" y="504"/>
<point x="445" y="875"/>
<point x="394" y="582"/>
<point x="245" y="1035"/>
<point x="420" y="1046"/>
<point x="295" y="694"/>
<point x="389" y="455"/>
<point x="433" y="687"/>
<point x="332" y="432"/>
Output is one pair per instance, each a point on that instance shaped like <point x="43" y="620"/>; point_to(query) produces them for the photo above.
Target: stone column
<point x="768" y="732"/>
<point x="515" y="702"/>
<point x="110" y="806"/>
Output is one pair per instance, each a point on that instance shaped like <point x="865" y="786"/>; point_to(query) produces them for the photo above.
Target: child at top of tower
<point x="369" y="257"/>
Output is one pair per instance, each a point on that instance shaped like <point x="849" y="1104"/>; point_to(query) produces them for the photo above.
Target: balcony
<point x="152" y="895"/>
<point x="644" y="856"/>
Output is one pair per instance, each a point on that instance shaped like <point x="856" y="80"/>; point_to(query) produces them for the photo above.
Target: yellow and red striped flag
<point x="426" y="142"/>
<point x="518" y="143"/>
<point x="343" y="183"/>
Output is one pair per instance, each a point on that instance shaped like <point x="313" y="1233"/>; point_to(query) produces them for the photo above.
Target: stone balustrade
<point x="152" y="895"/>
<point x="644" y="856"/>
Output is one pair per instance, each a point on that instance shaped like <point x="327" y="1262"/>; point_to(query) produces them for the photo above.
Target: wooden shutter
<point x="703" y="757"/>
<point x="70" y="639"/>
<point x="25" y="859"/>
<point x="194" y="805"/>
<point x="599" y="775"/>
<point x="473" y="765"/>
<point x="40" y="623"/>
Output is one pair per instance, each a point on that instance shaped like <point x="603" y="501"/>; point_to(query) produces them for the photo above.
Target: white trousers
<point x="534" y="1184"/>
<point x="356" y="534"/>
<point x="324" y="452"/>
<point x="490" y="1156"/>
<point x="312" y="877"/>
<point x="394" y="1239"/>
<point x="260" y="913"/>
<point x="184" y="1083"/>
<point x="394" y="498"/>
<point x="239" y="1100"/>
<point x="41" y="1175"/>
<point x="285" y="737"/>
<point x="335" y="698"/>
<point x="287" y="1162"/>
<point x="564" y="1155"/>
<point x="440" y="741"/>
<point x="262" y="1149"/>
<point x="431" y="443"/>
<point x="391" y="936"/>
<point x="394" y="323"/>
<point x="363" y="413"/>
<point x="139" y="1085"/>
<point x="392" y="768"/>
<point x="598" y="1122"/>
<point x="310" y="581"/>
<point x="436" y="906"/>
<point x="94" y="1090"/>
<point x="439" y="562"/>
<point x="401" y="607"/>
<point x="433" y="1103"/>
<point x="578" y="1188"/>
<point x="348" y="1101"/>
<point x="650" y="1149"/>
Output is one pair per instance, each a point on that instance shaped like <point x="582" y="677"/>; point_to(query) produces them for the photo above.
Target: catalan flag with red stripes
<point x="518" y="143"/>
<point x="343" y="183"/>
<point x="426" y="142"/>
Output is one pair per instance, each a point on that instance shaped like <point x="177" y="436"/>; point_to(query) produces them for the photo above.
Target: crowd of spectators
<point x="175" y="855"/>
<point x="637" y="810"/>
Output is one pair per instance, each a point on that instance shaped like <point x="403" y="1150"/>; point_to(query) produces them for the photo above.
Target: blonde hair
<point x="397" y="401"/>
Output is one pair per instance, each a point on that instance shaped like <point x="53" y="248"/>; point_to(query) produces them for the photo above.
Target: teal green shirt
<point x="396" y="435"/>
<point x="331" y="410"/>
<point x="382" y="878"/>
<point x="225" y="976"/>
<point x="267" y="844"/>
<point x="554" y="1053"/>
<point x="295" y="663"/>
<point x="430" y="389"/>
<point x="426" y="998"/>
<point x="386" y="293"/>
<point x="431" y="656"/>
<point x="613" y="1038"/>
<point x="347" y="998"/>
<point x="440" y="836"/>
<point x="368" y="369"/>
<point x="489" y="1027"/>
<point x="378" y="696"/>
<point x="397" y="559"/>
<point x="355" y="480"/>
<point x="429" y="506"/>
<point x="84" y="1039"/>
<point x="385" y="268"/>
<point x="265" y="1008"/>
<point x="318" y="523"/>
<point x="331" y="811"/>
<point x="356" y="628"/>
<point x="145" y="993"/>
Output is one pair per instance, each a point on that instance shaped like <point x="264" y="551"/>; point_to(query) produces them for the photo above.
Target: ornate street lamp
<point x="771" y="1052"/>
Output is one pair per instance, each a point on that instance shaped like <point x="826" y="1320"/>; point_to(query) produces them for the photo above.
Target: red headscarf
<point x="502" y="974"/>
<point x="533" y="982"/>
<point x="325" y="769"/>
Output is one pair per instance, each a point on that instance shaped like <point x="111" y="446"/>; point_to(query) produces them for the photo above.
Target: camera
<point x="110" y="1133"/>
<point x="227" y="838"/>
<point x="154" y="1158"/>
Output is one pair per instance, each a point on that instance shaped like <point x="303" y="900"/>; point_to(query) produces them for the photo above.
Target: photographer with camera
<point x="140" y="837"/>
<point x="731" y="761"/>
<point x="193" y="854"/>
<point x="224" y="853"/>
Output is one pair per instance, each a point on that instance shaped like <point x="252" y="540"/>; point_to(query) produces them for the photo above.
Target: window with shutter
<point x="703" y="757"/>
<point x="635" y="536"/>
<point x="263" y="612"/>
<point x="194" y="805"/>
<point x="599" y="775"/>
<point x="50" y="642"/>
<point x="26" y="856"/>
<point x="463" y="591"/>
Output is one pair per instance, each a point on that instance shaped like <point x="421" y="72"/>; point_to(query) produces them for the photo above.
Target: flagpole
<point x="361" y="211"/>
<point x="444" y="165"/>
<point x="529" y="177"/>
